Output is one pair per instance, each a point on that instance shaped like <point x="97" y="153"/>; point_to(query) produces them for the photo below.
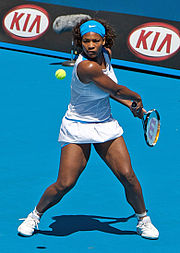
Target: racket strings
<point x="151" y="125"/>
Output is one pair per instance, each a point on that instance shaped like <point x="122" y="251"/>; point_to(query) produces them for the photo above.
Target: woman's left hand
<point x="138" y="111"/>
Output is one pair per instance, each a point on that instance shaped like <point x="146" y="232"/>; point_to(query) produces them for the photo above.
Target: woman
<point x="89" y="120"/>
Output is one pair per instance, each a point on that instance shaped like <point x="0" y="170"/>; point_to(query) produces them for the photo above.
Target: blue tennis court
<point x="94" y="216"/>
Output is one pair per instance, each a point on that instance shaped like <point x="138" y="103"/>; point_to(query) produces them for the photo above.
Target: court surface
<point x="94" y="216"/>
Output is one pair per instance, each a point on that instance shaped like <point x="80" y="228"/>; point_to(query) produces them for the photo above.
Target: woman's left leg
<point x="116" y="156"/>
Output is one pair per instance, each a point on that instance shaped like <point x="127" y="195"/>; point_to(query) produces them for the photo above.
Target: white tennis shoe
<point x="29" y="225"/>
<point x="146" y="229"/>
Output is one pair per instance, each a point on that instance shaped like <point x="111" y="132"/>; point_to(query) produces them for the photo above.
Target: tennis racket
<point x="151" y="126"/>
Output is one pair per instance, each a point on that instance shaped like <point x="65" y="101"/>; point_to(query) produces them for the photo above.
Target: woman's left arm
<point x="128" y="103"/>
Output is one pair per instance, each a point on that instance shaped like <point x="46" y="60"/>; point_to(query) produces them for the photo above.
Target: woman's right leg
<point x="74" y="158"/>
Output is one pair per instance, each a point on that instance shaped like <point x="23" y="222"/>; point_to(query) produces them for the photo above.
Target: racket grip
<point x="134" y="104"/>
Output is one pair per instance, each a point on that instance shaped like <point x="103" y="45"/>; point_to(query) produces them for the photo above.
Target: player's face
<point x="92" y="44"/>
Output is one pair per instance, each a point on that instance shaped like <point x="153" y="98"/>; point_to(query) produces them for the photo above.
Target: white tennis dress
<point x="88" y="118"/>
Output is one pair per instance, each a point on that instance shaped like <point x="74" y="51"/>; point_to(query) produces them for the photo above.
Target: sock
<point x="141" y="215"/>
<point x="37" y="214"/>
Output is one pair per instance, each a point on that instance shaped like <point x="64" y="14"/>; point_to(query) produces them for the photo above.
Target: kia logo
<point x="26" y="22"/>
<point x="154" y="41"/>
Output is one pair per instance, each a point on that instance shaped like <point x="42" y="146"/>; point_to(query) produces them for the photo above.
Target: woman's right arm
<point x="89" y="71"/>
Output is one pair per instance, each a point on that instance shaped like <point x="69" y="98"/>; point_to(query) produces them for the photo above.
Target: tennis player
<point x="88" y="120"/>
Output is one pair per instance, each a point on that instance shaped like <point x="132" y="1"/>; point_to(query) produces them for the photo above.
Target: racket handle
<point x="134" y="104"/>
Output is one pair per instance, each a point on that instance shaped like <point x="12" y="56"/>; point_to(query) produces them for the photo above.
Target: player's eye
<point x="96" y="40"/>
<point x="86" y="41"/>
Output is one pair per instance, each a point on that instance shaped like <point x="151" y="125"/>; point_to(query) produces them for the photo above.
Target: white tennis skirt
<point x="72" y="131"/>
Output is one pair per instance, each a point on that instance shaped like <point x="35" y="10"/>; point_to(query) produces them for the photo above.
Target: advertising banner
<point x="144" y="43"/>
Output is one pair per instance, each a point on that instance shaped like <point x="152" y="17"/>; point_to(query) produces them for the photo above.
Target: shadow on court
<point x="68" y="224"/>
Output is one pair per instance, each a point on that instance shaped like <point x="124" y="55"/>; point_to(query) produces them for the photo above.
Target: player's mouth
<point x="91" y="53"/>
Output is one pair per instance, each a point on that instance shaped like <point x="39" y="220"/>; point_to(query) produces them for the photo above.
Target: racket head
<point x="151" y="124"/>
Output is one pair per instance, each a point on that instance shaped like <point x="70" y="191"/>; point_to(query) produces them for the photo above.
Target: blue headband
<point x="92" y="26"/>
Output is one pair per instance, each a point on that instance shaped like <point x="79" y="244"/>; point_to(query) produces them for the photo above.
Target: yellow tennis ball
<point x="60" y="74"/>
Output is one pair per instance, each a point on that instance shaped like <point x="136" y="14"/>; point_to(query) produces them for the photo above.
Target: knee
<point x="64" y="185"/>
<point x="128" y="179"/>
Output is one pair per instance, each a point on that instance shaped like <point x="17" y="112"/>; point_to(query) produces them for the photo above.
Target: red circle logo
<point x="154" y="41"/>
<point x="26" y="22"/>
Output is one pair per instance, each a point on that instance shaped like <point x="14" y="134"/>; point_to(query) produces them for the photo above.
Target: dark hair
<point x="109" y="37"/>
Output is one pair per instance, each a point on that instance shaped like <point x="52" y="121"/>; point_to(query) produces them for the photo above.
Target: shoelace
<point x="145" y="224"/>
<point x="31" y="221"/>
